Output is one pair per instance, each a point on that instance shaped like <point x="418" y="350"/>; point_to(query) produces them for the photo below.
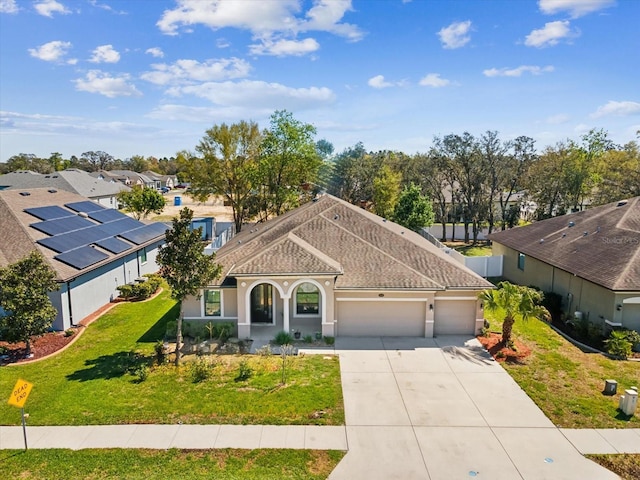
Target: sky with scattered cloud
<point x="149" y="77"/>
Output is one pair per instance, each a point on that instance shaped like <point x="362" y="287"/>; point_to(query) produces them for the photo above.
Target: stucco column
<point x="285" y="314"/>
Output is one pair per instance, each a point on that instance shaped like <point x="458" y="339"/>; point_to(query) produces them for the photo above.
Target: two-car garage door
<point x="381" y="319"/>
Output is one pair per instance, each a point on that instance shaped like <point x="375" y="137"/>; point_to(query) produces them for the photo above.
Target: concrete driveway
<point x="442" y="408"/>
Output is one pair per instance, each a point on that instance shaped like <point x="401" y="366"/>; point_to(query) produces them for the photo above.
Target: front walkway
<point x="415" y="409"/>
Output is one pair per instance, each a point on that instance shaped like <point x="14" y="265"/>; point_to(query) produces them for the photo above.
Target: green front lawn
<point x="471" y="250"/>
<point x="91" y="382"/>
<point x="223" y="464"/>
<point x="567" y="383"/>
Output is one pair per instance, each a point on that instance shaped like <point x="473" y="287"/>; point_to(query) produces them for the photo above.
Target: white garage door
<point x="455" y="317"/>
<point x="381" y="319"/>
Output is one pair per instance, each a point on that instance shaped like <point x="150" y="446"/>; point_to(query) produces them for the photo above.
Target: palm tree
<point x="516" y="301"/>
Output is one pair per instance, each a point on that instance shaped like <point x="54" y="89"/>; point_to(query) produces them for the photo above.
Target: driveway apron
<point x="442" y="409"/>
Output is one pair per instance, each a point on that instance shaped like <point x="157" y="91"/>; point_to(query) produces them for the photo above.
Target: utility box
<point x="628" y="402"/>
<point x="610" y="387"/>
<point x="177" y="201"/>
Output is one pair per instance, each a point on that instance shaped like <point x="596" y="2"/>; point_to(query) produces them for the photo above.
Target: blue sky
<point x="148" y="77"/>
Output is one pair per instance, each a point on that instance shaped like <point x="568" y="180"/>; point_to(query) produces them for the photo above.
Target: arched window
<point x="307" y="299"/>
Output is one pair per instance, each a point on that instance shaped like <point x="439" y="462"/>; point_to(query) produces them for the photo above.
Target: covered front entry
<point x="262" y="304"/>
<point x="381" y="318"/>
<point x="455" y="317"/>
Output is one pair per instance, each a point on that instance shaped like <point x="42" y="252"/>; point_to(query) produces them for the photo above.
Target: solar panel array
<point x="74" y="233"/>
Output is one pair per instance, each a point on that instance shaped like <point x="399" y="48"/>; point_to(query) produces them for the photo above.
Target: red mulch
<point x="40" y="347"/>
<point x="493" y="346"/>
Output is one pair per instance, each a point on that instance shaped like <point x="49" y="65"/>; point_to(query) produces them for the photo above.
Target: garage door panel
<point x="381" y="319"/>
<point x="631" y="316"/>
<point x="455" y="317"/>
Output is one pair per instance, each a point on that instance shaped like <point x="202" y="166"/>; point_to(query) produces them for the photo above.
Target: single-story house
<point x="591" y="258"/>
<point x="71" y="180"/>
<point x="331" y="267"/>
<point x="91" y="248"/>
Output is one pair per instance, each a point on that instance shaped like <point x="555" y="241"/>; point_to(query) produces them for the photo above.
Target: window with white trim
<point x="307" y="299"/>
<point x="212" y="303"/>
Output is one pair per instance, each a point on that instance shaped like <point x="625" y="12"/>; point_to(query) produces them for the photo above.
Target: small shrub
<point x="141" y="372"/>
<point x="161" y="356"/>
<point x="244" y="371"/>
<point x="318" y="335"/>
<point x="633" y="337"/>
<point x="69" y="332"/>
<point x="283" y="338"/>
<point x="4" y="350"/>
<point x="618" y="345"/>
<point x="552" y="301"/>
<point x="485" y="332"/>
<point x="307" y="339"/>
<point x="201" y="370"/>
<point x="329" y="340"/>
<point x="126" y="291"/>
<point x="264" y="351"/>
<point x="154" y="280"/>
<point x="501" y="354"/>
<point x="223" y="331"/>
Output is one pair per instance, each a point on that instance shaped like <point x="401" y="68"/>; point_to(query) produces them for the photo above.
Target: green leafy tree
<point x="227" y="166"/>
<point x="27" y="310"/>
<point x="386" y="190"/>
<point x="141" y="201"/>
<point x="289" y="161"/>
<point x="413" y="210"/>
<point x="184" y="265"/>
<point x="515" y="301"/>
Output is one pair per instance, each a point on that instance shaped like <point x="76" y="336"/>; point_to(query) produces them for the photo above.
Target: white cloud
<point x="281" y="48"/>
<point x="191" y="71"/>
<point x="105" y="54"/>
<point x="106" y="7"/>
<point x="612" y="107"/>
<point x="155" y="52"/>
<point x="518" y="71"/>
<point x="455" y="35"/>
<point x="379" y="82"/>
<point x="258" y="94"/>
<point x="271" y="23"/>
<point x="434" y="80"/>
<point x="48" y="7"/>
<point x="9" y="6"/>
<point x="96" y="81"/>
<point x="576" y="8"/>
<point x="54" y="51"/>
<point x="550" y="34"/>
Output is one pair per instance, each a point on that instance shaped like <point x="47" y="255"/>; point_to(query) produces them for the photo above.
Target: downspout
<point x="69" y="302"/>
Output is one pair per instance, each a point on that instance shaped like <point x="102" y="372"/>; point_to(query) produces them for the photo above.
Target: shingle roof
<point x="18" y="239"/>
<point x="363" y="251"/>
<point x="70" y="180"/>
<point x="601" y="244"/>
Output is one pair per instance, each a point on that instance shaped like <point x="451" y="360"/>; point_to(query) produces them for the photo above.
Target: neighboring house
<point x="127" y="177"/>
<point x="591" y="258"/>
<point x="169" y="181"/>
<point x="331" y="267"/>
<point x="91" y="248"/>
<point x="70" y="180"/>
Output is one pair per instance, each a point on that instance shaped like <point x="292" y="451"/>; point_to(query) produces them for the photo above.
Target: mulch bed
<point x="501" y="353"/>
<point x="40" y="347"/>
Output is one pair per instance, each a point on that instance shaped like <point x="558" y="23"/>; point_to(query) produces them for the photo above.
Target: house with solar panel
<point x="93" y="249"/>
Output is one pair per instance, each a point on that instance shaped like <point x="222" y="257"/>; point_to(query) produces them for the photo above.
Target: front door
<point x="262" y="304"/>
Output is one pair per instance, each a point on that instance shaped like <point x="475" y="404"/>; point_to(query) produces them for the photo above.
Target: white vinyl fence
<point x="487" y="266"/>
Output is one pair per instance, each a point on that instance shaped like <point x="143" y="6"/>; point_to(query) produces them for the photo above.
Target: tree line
<point x="478" y="181"/>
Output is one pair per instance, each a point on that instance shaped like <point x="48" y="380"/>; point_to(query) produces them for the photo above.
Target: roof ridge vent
<point x="572" y="223"/>
<point x="621" y="203"/>
<point x="25" y="194"/>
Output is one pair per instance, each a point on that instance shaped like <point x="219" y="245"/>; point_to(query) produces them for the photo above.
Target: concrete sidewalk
<point x="177" y="436"/>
